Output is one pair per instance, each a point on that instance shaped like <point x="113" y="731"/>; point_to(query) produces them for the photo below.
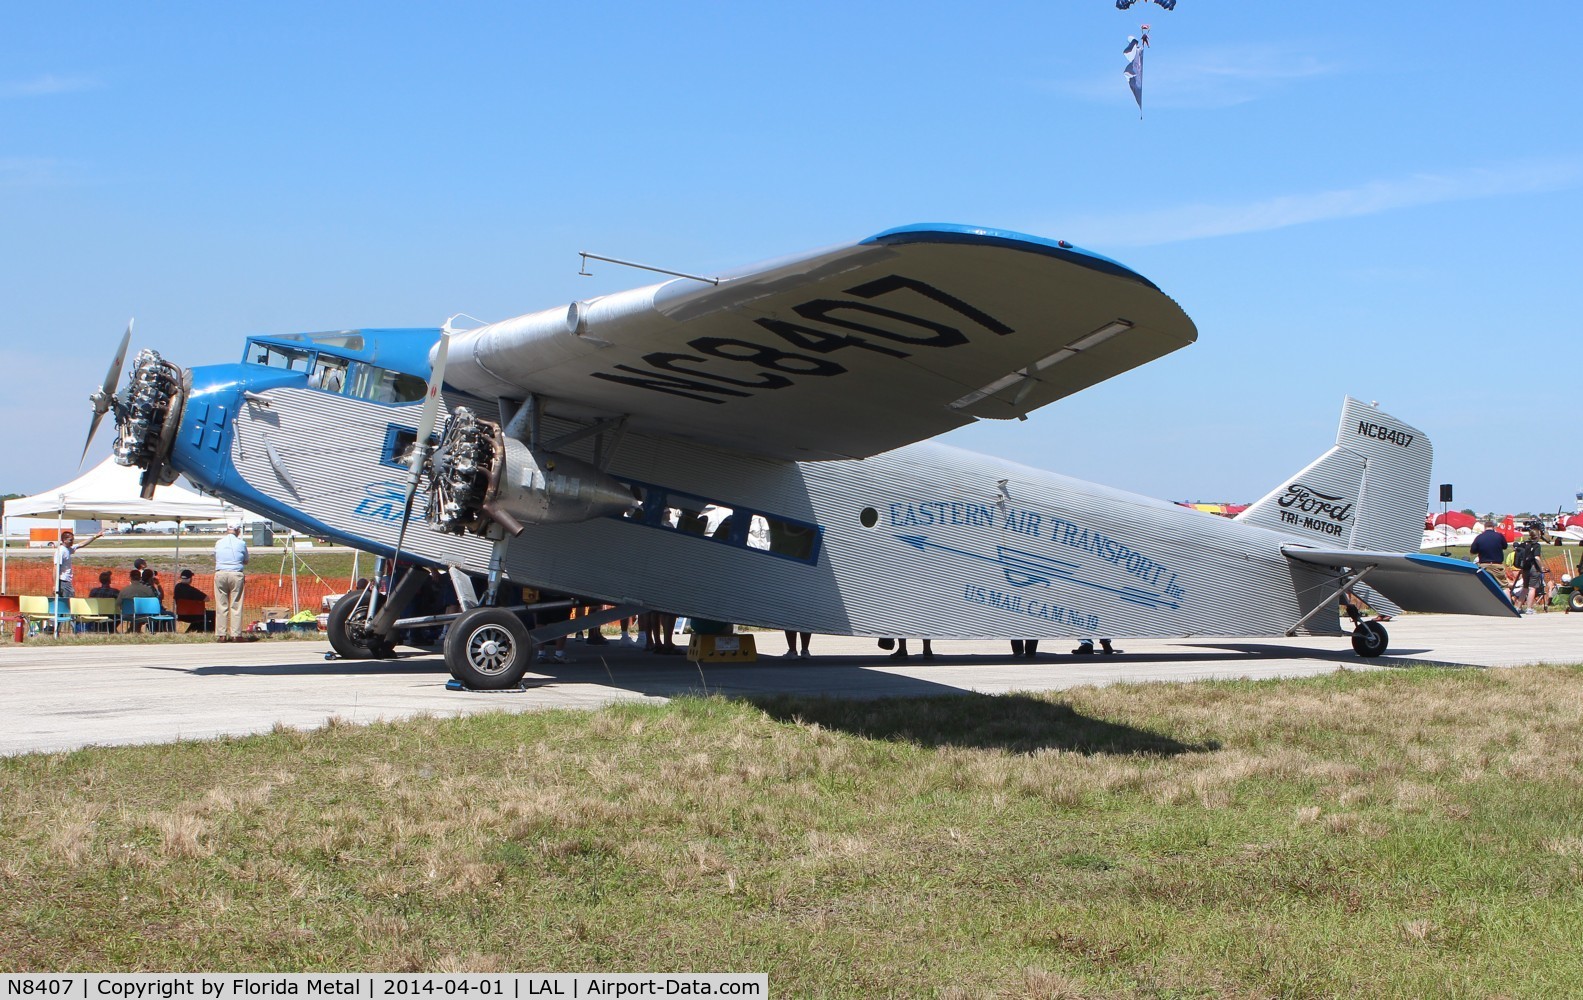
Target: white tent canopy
<point x="109" y="492"/>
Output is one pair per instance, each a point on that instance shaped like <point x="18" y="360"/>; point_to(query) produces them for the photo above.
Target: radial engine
<point x="479" y="476"/>
<point x="147" y="414"/>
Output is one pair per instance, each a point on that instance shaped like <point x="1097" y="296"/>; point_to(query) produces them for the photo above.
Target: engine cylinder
<point x="477" y="475"/>
<point x="146" y="414"/>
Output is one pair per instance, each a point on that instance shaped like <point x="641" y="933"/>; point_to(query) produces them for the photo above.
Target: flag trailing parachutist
<point x="1134" y="70"/>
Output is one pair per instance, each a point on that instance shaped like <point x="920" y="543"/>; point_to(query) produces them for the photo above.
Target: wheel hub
<point x="490" y="649"/>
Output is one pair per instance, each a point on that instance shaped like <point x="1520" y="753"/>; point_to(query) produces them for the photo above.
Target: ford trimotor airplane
<point x="579" y="448"/>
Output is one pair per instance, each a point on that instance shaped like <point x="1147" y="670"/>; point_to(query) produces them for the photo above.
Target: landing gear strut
<point x="350" y="634"/>
<point x="1369" y="638"/>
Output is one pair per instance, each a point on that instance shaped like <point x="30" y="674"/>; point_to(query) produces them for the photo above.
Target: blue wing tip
<point x="950" y="232"/>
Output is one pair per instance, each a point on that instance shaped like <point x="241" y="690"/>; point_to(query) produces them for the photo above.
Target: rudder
<point x="1369" y="491"/>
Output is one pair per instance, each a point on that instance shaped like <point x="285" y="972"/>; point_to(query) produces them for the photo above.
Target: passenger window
<point x="405" y="388"/>
<point x="724" y="520"/>
<point x="692" y="522"/>
<point x="380" y="385"/>
<point x="789" y="539"/>
<point x="734" y="526"/>
<point x="329" y="374"/>
<point x="759" y="533"/>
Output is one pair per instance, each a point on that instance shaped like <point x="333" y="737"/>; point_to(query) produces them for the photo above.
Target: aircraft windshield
<point x="328" y="372"/>
<point x="287" y="358"/>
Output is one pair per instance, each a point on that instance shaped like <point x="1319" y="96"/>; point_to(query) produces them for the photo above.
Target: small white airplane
<point x="579" y="447"/>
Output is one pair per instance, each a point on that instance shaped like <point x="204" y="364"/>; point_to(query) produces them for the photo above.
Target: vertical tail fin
<point x="1370" y="491"/>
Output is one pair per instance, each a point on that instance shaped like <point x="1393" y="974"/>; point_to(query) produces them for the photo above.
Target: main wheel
<point x="488" y="649"/>
<point x="1575" y="603"/>
<point x="349" y="632"/>
<point x="1370" y="639"/>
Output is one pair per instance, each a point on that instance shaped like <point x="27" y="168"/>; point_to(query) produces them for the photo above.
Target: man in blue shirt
<point x="230" y="577"/>
<point x="1489" y="549"/>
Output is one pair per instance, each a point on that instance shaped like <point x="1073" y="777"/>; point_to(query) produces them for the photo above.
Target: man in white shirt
<point x="230" y="577"/>
<point x="63" y="553"/>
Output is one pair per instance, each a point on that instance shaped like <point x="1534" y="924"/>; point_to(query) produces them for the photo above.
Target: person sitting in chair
<point x="135" y="587"/>
<point x="185" y="591"/>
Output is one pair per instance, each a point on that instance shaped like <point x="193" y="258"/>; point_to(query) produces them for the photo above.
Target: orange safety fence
<point x="264" y="590"/>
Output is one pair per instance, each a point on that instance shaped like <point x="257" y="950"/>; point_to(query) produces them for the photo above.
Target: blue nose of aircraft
<point x="201" y="446"/>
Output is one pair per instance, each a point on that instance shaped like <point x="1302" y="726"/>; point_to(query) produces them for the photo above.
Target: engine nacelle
<point x="477" y="475"/>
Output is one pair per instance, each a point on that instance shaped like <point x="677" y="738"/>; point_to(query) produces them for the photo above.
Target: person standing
<point x="792" y="637"/>
<point x="1489" y="549"/>
<point x="1086" y="648"/>
<point x="63" y="553"/>
<point x="1530" y="566"/>
<point x="902" y="654"/>
<point x="230" y="577"/>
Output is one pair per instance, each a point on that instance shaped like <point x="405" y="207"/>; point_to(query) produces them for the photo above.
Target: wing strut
<point x="1348" y="581"/>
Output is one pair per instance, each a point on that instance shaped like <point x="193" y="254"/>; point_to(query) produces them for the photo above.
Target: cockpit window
<point x="350" y="340"/>
<point x="287" y="358"/>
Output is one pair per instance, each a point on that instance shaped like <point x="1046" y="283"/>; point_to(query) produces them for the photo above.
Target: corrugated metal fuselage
<point x="921" y="541"/>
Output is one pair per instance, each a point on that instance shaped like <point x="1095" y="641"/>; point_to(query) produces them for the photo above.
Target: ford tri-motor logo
<point x="1306" y="500"/>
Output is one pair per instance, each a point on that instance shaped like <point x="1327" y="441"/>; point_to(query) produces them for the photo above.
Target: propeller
<point x="101" y="399"/>
<point x="420" y="450"/>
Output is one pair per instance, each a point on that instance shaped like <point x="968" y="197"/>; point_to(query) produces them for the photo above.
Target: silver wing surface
<point x="846" y="352"/>
<point x="1416" y="581"/>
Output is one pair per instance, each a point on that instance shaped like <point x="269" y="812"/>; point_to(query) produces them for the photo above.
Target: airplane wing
<point x="1416" y="581"/>
<point x="841" y="353"/>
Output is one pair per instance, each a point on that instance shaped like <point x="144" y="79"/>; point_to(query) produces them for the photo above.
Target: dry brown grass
<point x="1291" y="839"/>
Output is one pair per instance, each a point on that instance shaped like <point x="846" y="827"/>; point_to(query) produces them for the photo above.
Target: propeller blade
<point x="101" y="399"/>
<point x="420" y="447"/>
<point x="431" y="404"/>
<point x="93" y="428"/>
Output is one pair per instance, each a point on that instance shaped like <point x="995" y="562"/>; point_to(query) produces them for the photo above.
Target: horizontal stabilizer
<point x="1415" y="581"/>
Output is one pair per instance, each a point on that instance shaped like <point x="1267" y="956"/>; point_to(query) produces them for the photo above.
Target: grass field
<point x="1403" y="833"/>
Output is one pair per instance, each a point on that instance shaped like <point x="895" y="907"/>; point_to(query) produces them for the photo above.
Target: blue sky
<point x="1348" y="198"/>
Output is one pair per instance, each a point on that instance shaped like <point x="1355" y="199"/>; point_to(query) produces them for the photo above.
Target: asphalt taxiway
<point x="66" y="697"/>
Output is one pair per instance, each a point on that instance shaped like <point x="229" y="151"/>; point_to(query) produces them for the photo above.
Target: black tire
<point x="488" y="649"/>
<point x="1370" y="639"/>
<point x="1575" y="602"/>
<point x="348" y="628"/>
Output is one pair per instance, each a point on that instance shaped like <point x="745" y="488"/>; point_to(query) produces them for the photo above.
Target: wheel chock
<point x="455" y="685"/>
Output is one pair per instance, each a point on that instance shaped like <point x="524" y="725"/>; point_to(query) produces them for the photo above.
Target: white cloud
<point x="1222" y="77"/>
<point x="1206" y="78"/>
<point x="1192" y="222"/>
<point x="47" y="85"/>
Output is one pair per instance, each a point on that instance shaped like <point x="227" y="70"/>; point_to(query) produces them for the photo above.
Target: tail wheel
<point x="488" y="649"/>
<point x="1370" y="639"/>
<point x="350" y="635"/>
